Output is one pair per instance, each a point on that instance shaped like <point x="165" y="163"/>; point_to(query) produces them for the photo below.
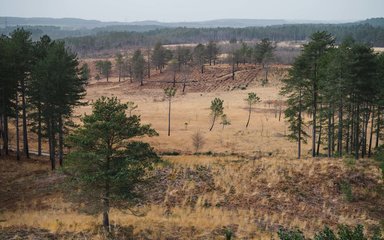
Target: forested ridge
<point x="86" y="40"/>
<point x="363" y="33"/>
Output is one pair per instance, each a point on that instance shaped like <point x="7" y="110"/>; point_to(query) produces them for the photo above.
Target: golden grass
<point x="253" y="197"/>
<point x="190" y="113"/>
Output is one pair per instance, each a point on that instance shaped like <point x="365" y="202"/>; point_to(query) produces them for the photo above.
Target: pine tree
<point x="169" y="93"/>
<point x="313" y="52"/>
<point x="58" y="79"/>
<point x="8" y="88"/>
<point x="105" y="158"/>
<point x="21" y="44"/>
<point x="252" y="99"/>
<point x="294" y="87"/>
<point x="217" y="110"/>
<point x="138" y="66"/>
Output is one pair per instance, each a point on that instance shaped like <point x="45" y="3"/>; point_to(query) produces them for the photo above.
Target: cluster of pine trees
<point x="341" y="89"/>
<point x="40" y="84"/>
<point x="184" y="58"/>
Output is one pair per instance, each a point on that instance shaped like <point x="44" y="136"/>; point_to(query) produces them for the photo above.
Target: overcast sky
<point x="194" y="10"/>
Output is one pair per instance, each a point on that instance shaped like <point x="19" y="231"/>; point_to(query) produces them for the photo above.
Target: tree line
<point x="40" y="84"/>
<point x="341" y="91"/>
<point x="363" y="33"/>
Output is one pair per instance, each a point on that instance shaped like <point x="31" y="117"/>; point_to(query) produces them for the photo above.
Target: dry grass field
<point x="190" y="112"/>
<point x="247" y="181"/>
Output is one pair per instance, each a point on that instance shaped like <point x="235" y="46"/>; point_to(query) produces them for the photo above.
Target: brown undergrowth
<point x="200" y="197"/>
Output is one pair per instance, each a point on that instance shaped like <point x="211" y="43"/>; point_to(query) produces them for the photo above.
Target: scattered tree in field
<point x="119" y="64"/>
<point x="107" y="68"/>
<point x="148" y="62"/>
<point x="86" y="72"/>
<point x="99" y="66"/>
<point x="104" y="68"/>
<point x="225" y="120"/>
<point x="252" y="99"/>
<point x="245" y="53"/>
<point x="138" y="67"/>
<point x="169" y="93"/>
<point x="234" y="59"/>
<point x="200" y="56"/>
<point x="183" y="56"/>
<point x="174" y="67"/>
<point x="104" y="157"/>
<point x="127" y="67"/>
<point x="217" y="110"/>
<point x="263" y="54"/>
<point x="212" y="52"/>
<point x="131" y="106"/>
<point x="159" y="56"/>
<point x="198" y="141"/>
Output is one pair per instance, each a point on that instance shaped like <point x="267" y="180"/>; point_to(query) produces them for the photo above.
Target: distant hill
<point x="234" y="23"/>
<point x="69" y="23"/>
<point x="375" y="22"/>
<point x="76" y="23"/>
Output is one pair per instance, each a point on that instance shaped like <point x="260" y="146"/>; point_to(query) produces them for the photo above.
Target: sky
<point x="194" y="10"/>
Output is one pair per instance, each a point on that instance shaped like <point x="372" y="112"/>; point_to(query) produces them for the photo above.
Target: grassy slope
<point x="203" y="195"/>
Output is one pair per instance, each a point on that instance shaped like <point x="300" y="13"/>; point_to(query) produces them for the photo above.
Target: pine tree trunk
<point x="25" y="131"/>
<point x="329" y="131"/>
<point x="266" y="74"/>
<point x="348" y="131"/>
<point x="333" y="130"/>
<point x="314" y="106"/>
<point x="353" y="123"/>
<point x="51" y="143"/>
<point x="233" y="71"/>
<point x="106" y="200"/>
<point x="320" y="131"/>
<point x="1" y="131"/>
<point x="357" y="124"/>
<point x="371" y="134"/>
<point x="299" y="140"/>
<point x="213" y="122"/>
<point x="106" y="209"/>
<point x="5" y="134"/>
<point x="61" y="142"/>
<point x="169" y="117"/>
<point x="39" y="134"/>
<point x="365" y="132"/>
<point x="249" y="115"/>
<point x="17" y="128"/>
<point x="378" y="127"/>
<point x="149" y="68"/>
<point x="340" y="130"/>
